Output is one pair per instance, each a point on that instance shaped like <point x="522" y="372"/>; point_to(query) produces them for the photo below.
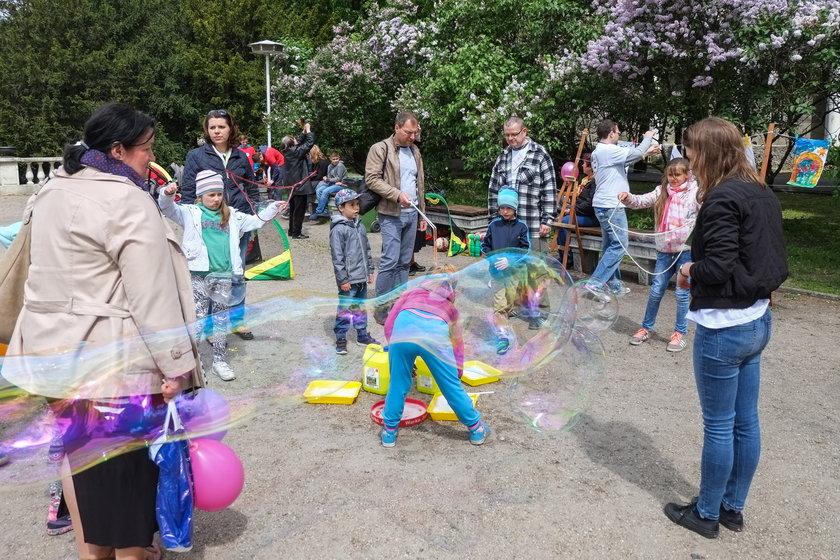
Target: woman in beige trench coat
<point x="104" y="332"/>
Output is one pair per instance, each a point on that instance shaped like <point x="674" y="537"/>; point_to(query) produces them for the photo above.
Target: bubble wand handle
<point x="434" y="230"/>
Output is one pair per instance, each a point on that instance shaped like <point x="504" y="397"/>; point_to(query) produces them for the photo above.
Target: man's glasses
<point x="514" y="134"/>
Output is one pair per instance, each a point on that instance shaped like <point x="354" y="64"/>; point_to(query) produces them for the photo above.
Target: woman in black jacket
<point x="295" y="151"/>
<point x="220" y="154"/>
<point x="740" y="259"/>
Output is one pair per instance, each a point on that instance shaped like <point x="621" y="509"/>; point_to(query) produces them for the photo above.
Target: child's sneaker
<point x="388" y="437"/>
<point x="341" y="346"/>
<point x="59" y="526"/>
<point x="478" y="435"/>
<point x="223" y="371"/>
<point x="502" y="345"/>
<point x="641" y="336"/>
<point x="677" y="343"/>
<point x="365" y="339"/>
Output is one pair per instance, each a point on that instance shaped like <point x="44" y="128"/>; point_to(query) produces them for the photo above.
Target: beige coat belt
<point x="76" y="307"/>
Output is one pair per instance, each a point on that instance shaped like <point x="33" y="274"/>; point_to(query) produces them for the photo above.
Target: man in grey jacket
<point x="394" y="170"/>
<point x="353" y="268"/>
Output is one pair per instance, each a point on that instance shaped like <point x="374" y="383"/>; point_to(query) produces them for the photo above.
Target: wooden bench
<point x="638" y="247"/>
<point x="471" y="219"/>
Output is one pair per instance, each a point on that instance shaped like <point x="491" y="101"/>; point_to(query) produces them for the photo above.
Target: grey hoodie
<point x="350" y="251"/>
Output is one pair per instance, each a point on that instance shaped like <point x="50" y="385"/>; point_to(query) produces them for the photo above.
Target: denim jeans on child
<point x="322" y="193"/>
<point x="351" y="313"/>
<point x="417" y="333"/>
<point x="613" y="241"/>
<point x="727" y="366"/>
<point x="667" y="265"/>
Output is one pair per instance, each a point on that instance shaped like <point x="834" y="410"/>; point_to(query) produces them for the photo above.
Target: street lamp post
<point x="266" y="48"/>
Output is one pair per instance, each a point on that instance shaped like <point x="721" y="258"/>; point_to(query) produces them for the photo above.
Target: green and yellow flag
<point x="275" y="268"/>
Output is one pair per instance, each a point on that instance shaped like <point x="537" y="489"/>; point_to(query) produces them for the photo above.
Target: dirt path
<point x="318" y="485"/>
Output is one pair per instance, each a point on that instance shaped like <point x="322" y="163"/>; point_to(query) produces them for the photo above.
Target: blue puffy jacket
<point x="205" y="157"/>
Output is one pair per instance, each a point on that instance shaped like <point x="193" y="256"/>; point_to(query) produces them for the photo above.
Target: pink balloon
<point x="569" y="170"/>
<point x="205" y="415"/>
<point x="218" y="476"/>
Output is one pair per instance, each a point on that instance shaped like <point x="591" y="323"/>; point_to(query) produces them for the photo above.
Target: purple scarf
<point x="105" y="163"/>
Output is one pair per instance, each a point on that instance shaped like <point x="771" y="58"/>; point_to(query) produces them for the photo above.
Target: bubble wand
<point x="431" y="225"/>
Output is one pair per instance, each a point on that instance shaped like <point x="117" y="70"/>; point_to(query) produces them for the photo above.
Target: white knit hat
<point x="207" y="181"/>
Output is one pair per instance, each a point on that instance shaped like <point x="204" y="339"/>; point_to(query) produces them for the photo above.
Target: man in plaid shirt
<point x="526" y="166"/>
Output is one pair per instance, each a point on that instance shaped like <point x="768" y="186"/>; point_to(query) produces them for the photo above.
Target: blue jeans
<point x="669" y="262"/>
<point x="322" y="193"/>
<point x="613" y="241"/>
<point x="727" y="366"/>
<point x="237" y="312"/>
<point x="398" y="234"/>
<point x="350" y="312"/>
<point x="428" y="338"/>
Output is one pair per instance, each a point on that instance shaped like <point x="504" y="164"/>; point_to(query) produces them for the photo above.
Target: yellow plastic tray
<point x="332" y="392"/>
<point x="439" y="409"/>
<point x="479" y="373"/>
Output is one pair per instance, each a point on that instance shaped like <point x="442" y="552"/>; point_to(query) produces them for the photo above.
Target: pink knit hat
<point x="207" y="181"/>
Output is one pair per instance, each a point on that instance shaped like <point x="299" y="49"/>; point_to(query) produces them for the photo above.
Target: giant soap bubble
<point x="551" y="359"/>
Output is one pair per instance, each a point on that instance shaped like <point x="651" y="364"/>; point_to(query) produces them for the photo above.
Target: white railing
<point x="20" y="175"/>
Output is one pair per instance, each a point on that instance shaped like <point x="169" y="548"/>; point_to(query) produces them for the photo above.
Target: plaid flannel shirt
<point x="536" y="183"/>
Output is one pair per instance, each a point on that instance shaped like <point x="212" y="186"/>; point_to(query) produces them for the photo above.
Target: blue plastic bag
<point x="174" y="493"/>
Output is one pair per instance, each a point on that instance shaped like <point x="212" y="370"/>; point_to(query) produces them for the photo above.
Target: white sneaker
<point x="223" y="371"/>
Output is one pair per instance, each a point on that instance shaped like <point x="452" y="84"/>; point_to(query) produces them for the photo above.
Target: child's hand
<point x="370" y="278"/>
<point x="501" y="263"/>
<point x="345" y="287"/>
<point x="623" y="197"/>
<point x="325" y="178"/>
<point x="170" y="189"/>
<point x="281" y="205"/>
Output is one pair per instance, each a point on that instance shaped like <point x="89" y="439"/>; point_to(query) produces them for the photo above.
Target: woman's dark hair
<point x="233" y="137"/>
<point x="111" y="124"/>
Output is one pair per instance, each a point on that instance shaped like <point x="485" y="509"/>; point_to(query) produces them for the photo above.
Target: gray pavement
<point x="318" y="485"/>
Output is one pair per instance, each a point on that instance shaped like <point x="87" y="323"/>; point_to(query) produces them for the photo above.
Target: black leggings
<point x="297" y="209"/>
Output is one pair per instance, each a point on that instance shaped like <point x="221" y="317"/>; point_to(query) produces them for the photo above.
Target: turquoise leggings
<point x="425" y="336"/>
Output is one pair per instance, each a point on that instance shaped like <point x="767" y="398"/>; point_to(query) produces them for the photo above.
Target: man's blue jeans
<point x="349" y="312"/>
<point x="398" y="233"/>
<point x="613" y="241"/>
<point x="237" y="312"/>
<point x="667" y="265"/>
<point x="322" y="193"/>
<point x="727" y="366"/>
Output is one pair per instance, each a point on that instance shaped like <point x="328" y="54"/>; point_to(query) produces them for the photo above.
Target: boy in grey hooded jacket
<point x="353" y="267"/>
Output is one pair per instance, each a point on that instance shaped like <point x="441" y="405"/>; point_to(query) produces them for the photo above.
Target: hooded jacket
<point x="350" y="251"/>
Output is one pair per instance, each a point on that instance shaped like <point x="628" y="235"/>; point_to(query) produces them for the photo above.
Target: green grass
<point x="811" y="224"/>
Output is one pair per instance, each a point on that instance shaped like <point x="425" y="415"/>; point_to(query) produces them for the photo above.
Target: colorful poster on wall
<point x="808" y="162"/>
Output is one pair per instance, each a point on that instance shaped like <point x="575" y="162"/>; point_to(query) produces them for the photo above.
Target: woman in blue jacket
<point x="221" y="155"/>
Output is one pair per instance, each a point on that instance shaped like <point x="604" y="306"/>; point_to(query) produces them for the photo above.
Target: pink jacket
<point x="435" y="297"/>
<point x="678" y="217"/>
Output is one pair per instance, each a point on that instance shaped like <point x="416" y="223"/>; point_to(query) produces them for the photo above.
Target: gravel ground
<point x="318" y="484"/>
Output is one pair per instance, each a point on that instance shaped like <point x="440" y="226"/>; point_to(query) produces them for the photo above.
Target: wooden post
<point x="583" y="136"/>
<point x="768" y="145"/>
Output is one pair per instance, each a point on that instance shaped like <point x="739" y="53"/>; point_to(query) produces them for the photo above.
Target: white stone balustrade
<point x="20" y="175"/>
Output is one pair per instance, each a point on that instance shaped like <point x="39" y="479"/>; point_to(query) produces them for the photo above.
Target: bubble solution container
<point x="439" y="408"/>
<point x="425" y="380"/>
<point x="376" y="373"/>
<point x="479" y="373"/>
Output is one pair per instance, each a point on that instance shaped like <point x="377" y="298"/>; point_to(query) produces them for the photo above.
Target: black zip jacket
<point x="204" y="157"/>
<point x="738" y="249"/>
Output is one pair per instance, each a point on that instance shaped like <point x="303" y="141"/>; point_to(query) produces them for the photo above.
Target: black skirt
<point x="117" y="496"/>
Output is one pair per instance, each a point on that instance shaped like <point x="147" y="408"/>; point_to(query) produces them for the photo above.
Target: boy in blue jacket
<point x="353" y="267"/>
<point x="505" y="232"/>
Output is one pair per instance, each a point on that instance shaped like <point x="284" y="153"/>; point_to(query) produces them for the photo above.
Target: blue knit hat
<point x="508" y="197"/>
